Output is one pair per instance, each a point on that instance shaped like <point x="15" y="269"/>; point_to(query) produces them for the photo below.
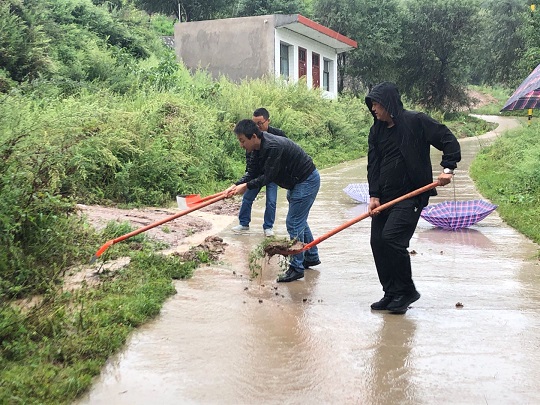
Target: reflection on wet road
<point x="223" y="339"/>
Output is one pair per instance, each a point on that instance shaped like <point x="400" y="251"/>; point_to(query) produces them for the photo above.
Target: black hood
<point x="387" y="95"/>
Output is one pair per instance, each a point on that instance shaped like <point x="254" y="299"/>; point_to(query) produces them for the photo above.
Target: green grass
<point x="464" y="126"/>
<point x="500" y="94"/>
<point x="50" y="354"/>
<point x="508" y="173"/>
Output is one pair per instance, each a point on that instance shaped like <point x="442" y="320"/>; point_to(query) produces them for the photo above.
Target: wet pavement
<point x="223" y="339"/>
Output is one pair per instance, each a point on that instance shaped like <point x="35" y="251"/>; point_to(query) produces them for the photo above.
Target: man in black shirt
<point x="398" y="163"/>
<point x="279" y="160"/>
<point x="261" y="117"/>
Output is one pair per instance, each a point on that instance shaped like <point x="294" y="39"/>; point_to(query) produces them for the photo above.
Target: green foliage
<point x="24" y="46"/>
<point x="379" y="45"/>
<point x="338" y="127"/>
<point x="507" y="173"/>
<point x="464" y="125"/>
<point x="503" y="41"/>
<point x="188" y="10"/>
<point x="73" y="39"/>
<point x="436" y="38"/>
<point x="162" y="24"/>
<point x="246" y="8"/>
<point x="50" y="354"/>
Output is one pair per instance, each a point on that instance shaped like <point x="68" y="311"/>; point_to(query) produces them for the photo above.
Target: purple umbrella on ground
<point x="452" y="215"/>
<point x="358" y="192"/>
<point x="527" y="95"/>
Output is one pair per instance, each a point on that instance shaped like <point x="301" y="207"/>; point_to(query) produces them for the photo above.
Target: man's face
<point x="261" y="122"/>
<point x="380" y="112"/>
<point x="248" y="144"/>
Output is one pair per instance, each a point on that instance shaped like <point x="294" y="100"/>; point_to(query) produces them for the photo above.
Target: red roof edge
<point x="326" y="31"/>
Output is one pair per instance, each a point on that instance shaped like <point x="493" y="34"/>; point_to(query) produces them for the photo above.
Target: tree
<point x="437" y="37"/>
<point x="262" y="7"/>
<point x="531" y="56"/>
<point x="188" y="10"/>
<point x="376" y="28"/>
<point x="24" y="48"/>
<point x="502" y="42"/>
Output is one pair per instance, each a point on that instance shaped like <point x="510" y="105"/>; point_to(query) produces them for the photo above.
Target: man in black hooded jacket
<point x="398" y="163"/>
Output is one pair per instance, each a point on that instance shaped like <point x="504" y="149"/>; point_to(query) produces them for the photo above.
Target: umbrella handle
<point x="361" y="217"/>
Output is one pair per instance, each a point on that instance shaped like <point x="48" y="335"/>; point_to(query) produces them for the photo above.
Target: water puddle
<point x="225" y="339"/>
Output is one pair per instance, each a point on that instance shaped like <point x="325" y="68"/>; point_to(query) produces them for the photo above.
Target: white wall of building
<point x="295" y="40"/>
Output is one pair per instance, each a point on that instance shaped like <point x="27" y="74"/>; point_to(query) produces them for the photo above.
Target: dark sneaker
<point x="382" y="304"/>
<point x="311" y="263"/>
<point x="400" y="304"/>
<point x="290" y="275"/>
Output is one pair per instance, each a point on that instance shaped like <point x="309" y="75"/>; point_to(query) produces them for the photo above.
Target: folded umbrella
<point x="358" y="192"/>
<point x="452" y="215"/>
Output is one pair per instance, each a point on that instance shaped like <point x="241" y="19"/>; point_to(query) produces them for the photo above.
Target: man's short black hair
<point x="261" y="112"/>
<point x="247" y="128"/>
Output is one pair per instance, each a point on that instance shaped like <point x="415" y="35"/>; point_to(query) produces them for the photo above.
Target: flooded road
<point x="223" y="339"/>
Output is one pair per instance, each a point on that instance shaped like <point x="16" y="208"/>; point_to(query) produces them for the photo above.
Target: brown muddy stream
<point x="223" y="339"/>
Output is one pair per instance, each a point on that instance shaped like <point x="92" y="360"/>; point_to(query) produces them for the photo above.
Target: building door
<point x="302" y="62"/>
<point x="316" y="69"/>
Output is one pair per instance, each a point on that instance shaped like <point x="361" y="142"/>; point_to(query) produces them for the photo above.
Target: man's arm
<point x="440" y="137"/>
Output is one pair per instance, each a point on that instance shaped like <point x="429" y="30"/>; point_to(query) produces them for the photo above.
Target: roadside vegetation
<point x="95" y="109"/>
<point x="507" y="173"/>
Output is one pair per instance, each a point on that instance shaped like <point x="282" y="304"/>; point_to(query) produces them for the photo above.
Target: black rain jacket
<point x="280" y="161"/>
<point x="416" y="131"/>
<point x="251" y="159"/>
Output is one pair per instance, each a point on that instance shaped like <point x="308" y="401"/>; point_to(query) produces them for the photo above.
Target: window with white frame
<point x="284" y="60"/>
<point x="327" y="65"/>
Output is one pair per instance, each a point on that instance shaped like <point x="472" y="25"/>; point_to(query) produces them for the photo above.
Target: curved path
<point x="226" y="340"/>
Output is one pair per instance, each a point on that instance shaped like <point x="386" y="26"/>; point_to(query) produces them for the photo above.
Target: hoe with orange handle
<point x="203" y="203"/>
<point x="189" y="200"/>
<point x="293" y="250"/>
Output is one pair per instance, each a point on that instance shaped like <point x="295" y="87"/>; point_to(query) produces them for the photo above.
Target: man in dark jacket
<point x="398" y="163"/>
<point x="279" y="160"/>
<point x="261" y="117"/>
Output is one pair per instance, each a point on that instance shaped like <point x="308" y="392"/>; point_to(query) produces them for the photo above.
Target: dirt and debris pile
<point x="210" y="249"/>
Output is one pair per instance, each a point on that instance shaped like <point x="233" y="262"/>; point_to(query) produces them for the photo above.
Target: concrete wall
<point x="239" y="48"/>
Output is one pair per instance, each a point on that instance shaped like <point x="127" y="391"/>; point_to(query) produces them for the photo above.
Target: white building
<point x="288" y="46"/>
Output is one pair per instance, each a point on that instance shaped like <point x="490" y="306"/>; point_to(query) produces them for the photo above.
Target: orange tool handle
<point x="203" y="199"/>
<point x="366" y="214"/>
<point x="106" y="245"/>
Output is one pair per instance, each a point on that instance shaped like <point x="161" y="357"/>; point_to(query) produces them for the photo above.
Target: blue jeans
<point x="244" y="215"/>
<point x="301" y="198"/>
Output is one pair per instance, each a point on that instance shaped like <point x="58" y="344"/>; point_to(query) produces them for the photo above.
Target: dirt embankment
<point x="174" y="232"/>
<point x="184" y="235"/>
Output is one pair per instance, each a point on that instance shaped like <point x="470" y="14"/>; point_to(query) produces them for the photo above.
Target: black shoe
<point x="307" y="264"/>
<point x="400" y="304"/>
<point x="382" y="303"/>
<point x="290" y="275"/>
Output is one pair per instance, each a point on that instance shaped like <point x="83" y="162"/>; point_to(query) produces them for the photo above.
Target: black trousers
<point x="391" y="232"/>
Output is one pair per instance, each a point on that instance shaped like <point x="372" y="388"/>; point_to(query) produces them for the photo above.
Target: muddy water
<point x="223" y="339"/>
